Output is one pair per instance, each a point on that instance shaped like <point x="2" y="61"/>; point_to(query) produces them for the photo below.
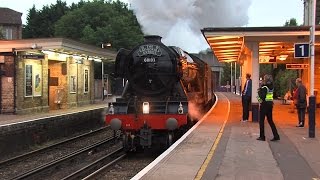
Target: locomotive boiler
<point x="164" y="85"/>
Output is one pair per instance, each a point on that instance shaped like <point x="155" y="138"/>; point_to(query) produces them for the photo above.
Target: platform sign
<point x="297" y="66"/>
<point x="301" y="50"/>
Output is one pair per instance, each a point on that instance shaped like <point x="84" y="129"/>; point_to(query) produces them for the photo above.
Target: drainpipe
<point x="77" y="84"/>
<point x="15" y="59"/>
<point x="102" y="79"/>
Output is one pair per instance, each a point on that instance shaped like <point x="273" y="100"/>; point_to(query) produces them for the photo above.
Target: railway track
<point x="79" y="164"/>
<point x="28" y="154"/>
<point x="49" y="169"/>
<point x="95" y="168"/>
<point x="14" y="167"/>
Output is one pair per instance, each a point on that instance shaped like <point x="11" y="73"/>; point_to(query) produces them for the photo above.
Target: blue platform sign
<point x="301" y="50"/>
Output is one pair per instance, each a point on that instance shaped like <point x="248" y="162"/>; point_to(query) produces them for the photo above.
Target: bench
<point x="285" y="101"/>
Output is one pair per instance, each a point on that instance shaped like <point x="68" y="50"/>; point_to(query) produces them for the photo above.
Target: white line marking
<point x="41" y="118"/>
<point x="172" y="147"/>
<point x="206" y="162"/>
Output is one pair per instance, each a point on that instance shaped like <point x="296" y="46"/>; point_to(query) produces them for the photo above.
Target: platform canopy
<point x="229" y="43"/>
<point x="57" y="45"/>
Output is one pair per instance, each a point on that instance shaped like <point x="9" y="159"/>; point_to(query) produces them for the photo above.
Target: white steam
<point x="179" y="21"/>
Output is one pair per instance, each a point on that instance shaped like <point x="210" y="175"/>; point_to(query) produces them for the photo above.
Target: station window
<point x="73" y="84"/>
<point x="8" y="33"/>
<point x="86" y="81"/>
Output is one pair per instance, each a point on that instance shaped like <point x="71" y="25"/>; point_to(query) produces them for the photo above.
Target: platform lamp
<point x="312" y="98"/>
<point x="283" y="57"/>
<point x="231" y="78"/>
<point x="105" y="45"/>
<point x="235" y="77"/>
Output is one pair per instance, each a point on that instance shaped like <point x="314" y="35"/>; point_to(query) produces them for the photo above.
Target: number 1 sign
<point x="301" y="50"/>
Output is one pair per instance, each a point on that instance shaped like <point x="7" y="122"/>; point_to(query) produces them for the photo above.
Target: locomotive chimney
<point x="152" y="38"/>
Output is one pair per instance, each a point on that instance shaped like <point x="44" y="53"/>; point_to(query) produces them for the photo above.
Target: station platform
<point x="10" y="119"/>
<point x="220" y="146"/>
<point x="21" y="133"/>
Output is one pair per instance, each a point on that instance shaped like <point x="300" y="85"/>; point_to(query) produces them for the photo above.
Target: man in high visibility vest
<point x="265" y="98"/>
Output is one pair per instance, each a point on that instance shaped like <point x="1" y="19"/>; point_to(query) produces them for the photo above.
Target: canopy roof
<point x="228" y="43"/>
<point x="59" y="45"/>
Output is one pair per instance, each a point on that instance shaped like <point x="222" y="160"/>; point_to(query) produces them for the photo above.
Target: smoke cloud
<point x="179" y="21"/>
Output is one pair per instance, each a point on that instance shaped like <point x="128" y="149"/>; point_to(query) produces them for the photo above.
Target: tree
<point x="40" y="23"/>
<point x="265" y="69"/>
<point x="284" y="81"/>
<point x="291" y="22"/>
<point x="101" y="22"/>
<point x="226" y="77"/>
<point x="283" y="78"/>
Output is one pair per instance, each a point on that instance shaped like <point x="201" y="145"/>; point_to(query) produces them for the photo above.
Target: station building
<point x="250" y="46"/>
<point x="38" y="75"/>
<point x="10" y="23"/>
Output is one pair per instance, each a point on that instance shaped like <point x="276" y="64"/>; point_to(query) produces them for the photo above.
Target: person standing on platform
<point x="246" y="98"/>
<point x="265" y="98"/>
<point x="301" y="101"/>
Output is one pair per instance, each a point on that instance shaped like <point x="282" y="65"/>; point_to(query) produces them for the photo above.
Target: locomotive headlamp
<point x="145" y="107"/>
<point x="111" y="109"/>
<point x="180" y="109"/>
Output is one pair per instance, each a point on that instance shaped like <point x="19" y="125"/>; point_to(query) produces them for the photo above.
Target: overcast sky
<point x="261" y="12"/>
<point x="185" y="18"/>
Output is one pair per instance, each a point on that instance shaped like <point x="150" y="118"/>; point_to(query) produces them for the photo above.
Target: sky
<point x="199" y="14"/>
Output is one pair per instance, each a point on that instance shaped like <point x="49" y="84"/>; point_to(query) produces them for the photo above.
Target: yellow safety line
<point x="212" y="150"/>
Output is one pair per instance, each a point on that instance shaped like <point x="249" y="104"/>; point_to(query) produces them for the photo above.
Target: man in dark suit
<point x="246" y="98"/>
<point x="301" y="101"/>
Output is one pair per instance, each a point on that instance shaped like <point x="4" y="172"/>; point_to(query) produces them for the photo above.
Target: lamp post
<point x="107" y="86"/>
<point x="312" y="98"/>
<point x="231" y="78"/>
<point x="235" y="77"/>
<point x="104" y="45"/>
<point x="102" y="79"/>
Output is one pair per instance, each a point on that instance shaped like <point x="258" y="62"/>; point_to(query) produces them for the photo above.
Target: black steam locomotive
<point x="165" y="92"/>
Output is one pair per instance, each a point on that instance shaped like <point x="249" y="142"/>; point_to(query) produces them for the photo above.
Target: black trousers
<point x="301" y="115"/>
<point x="246" y="100"/>
<point x="266" y="111"/>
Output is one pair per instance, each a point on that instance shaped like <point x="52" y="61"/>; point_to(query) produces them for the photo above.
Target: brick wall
<point x="16" y="30"/>
<point x="73" y="78"/>
<point x="85" y="98"/>
<point x="25" y="105"/>
<point x="7" y="85"/>
<point x="61" y="71"/>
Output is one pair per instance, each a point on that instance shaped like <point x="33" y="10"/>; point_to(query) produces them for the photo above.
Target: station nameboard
<point x="297" y="66"/>
<point x="32" y="56"/>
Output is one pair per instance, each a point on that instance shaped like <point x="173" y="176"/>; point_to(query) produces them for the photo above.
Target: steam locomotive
<point x="166" y="91"/>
